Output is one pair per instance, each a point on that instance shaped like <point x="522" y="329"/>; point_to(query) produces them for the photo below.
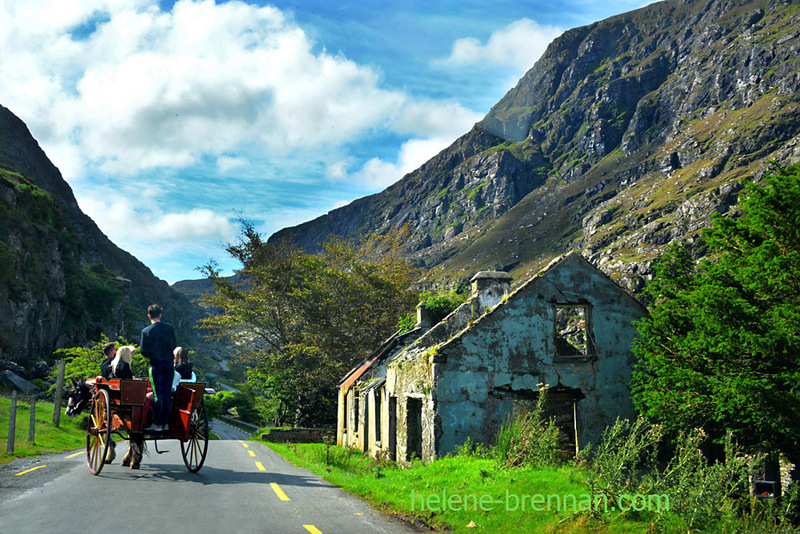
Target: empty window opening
<point x="573" y="337"/>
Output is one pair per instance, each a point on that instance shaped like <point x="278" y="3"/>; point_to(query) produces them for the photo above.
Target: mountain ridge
<point x="626" y="135"/>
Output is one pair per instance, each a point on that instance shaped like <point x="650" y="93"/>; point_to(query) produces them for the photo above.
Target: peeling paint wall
<point x="493" y="368"/>
<point x="504" y="357"/>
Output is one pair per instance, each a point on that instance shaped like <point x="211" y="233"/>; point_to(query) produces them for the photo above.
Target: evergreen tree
<point x="721" y="347"/>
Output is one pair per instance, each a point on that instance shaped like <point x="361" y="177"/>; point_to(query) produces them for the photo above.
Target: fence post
<point x="32" y="424"/>
<point x="59" y="394"/>
<point x="12" y="423"/>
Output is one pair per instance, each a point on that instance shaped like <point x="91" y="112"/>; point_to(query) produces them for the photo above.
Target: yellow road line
<point x="246" y="446"/>
<point x="312" y="529"/>
<point x="76" y="454"/>
<point x="279" y="492"/>
<point x="34" y="469"/>
<point x="252" y="453"/>
<point x="260" y="466"/>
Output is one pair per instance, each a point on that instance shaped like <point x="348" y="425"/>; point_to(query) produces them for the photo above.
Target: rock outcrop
<point x="62" y="281"/>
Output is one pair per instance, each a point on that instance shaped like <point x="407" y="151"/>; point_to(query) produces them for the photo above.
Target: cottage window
<point x="573" y="331"/>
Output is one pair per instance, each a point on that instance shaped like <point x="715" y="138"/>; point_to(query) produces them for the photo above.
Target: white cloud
<point x="226" y="164"/>
<point x="436" y="124"/>
<point x="152" y="89"/>
<point x="517" y="45"/>
<point x="144" y="224"/>
<point x="378" y="173"/>
<point x="337" y="170"/>
<point x="435" y="119"/>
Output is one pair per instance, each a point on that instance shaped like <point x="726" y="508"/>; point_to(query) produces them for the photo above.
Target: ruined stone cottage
<point x="423" y="393"/>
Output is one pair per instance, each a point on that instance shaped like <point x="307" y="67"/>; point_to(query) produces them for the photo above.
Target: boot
<point x="126" y="460"/>
<point x="137" y="454"/>
<point x="112" y="452"/>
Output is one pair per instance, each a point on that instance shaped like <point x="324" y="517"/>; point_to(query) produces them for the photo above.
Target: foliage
<point x="84" y="362"/>
<point x="478" y="450"/>
<point x="303" y="320"/>
<point x="93" y="297"/>
<point x="720" y="349"/>
<point x="234" y="404"/>
<point x="692" y="492"/>
<point x="529" y="439"/>
<point x="439" y="305"/>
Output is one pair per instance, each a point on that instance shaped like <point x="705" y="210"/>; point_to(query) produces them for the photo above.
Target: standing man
<point x="157" y="344"/>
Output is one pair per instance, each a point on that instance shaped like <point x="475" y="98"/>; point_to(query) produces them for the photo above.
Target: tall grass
<point x="71" y="433"/>
<point x="529" y="439"/>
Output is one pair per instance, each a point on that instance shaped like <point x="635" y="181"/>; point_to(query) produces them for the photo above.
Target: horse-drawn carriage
<point x="120" y="407"/>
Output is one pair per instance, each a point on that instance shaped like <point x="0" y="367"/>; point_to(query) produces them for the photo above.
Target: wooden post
<point x="575" y="424"/>
<point x="32" y="424"/>
<point x="59" y="394"/>
<point x="12" y="423"/>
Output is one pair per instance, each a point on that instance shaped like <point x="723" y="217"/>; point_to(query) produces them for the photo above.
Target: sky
<point x="174" y="121"/>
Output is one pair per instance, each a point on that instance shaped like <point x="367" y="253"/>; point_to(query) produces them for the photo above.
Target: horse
<point x="79" y="399"/>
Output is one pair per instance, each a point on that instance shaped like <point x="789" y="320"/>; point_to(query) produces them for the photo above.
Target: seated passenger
<point x="120" y="366"/>
<point x="110" y="351"/>
<point x="183" y="368"/>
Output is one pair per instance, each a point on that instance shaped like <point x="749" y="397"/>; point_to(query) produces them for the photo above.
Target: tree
<point x="84" y="362"/>
<point x="303" y="320"/>
<point x="439" y="305"/>
<point x="721" y="346"/>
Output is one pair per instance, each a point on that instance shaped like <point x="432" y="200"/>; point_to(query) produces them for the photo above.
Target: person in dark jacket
<point x="110" y="351"/>
<point x="156" y="344"/>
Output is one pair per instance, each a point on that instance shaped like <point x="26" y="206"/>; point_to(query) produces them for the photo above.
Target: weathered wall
<point x="503" y="357"/>
<point x="411" y="376"/>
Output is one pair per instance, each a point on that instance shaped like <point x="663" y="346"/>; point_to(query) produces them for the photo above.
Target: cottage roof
<point x="570" y="257"/>
<point x="379" y="355"/>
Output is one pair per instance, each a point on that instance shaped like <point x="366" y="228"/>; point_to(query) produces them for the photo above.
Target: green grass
<point x="70" y="434"/>
<point x="415" y="493"/>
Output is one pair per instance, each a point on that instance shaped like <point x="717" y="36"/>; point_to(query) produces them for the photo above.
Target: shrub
<point x="529" y="439"/>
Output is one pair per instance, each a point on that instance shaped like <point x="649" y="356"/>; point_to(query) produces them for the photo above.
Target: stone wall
<point x="299" y="435"/>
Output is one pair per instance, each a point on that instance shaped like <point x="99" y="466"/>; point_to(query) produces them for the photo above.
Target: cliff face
<point x="625" y="136"/>
<point x="60" y="276"/>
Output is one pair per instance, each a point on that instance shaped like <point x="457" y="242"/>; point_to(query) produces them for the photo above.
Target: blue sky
<point x="173" y="120"/>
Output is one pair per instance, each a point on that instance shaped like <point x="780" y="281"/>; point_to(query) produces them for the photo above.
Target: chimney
<point x="489" y="287"/>
<point x="423" y="317"/>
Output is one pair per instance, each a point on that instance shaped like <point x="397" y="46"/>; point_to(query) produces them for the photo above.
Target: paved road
<point x="243" y="487"/>
<point x="226" y="431"/>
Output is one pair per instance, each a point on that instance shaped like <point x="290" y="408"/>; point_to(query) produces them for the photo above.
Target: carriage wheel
<point x="195" y="447"/>
<point x="98" y="435"/>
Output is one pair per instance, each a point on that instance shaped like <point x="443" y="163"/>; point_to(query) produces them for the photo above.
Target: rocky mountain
<point x="625" y="136"/>
<point x="62" y="281"/>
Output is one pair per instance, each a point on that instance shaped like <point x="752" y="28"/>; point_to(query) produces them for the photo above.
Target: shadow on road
<point x="212" y="476"/>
